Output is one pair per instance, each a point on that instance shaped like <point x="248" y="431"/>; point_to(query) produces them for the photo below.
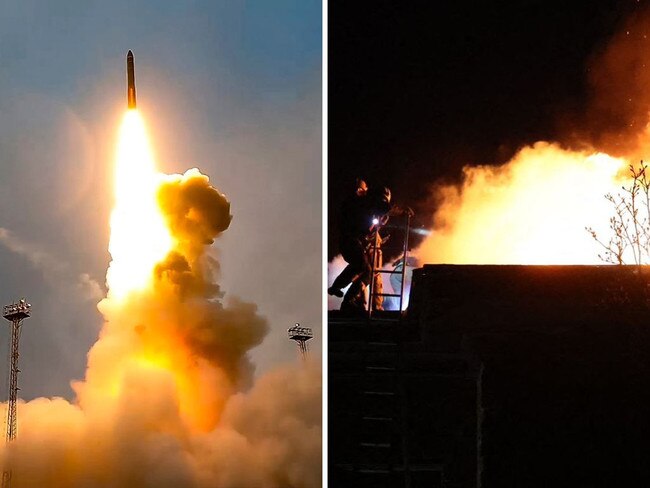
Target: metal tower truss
<point x="14" y="313"/>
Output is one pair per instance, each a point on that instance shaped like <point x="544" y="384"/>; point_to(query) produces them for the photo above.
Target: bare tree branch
<point x="630" y="224"/>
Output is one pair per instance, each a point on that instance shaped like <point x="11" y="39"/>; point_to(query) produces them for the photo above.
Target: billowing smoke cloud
<point x="169" y="398"/>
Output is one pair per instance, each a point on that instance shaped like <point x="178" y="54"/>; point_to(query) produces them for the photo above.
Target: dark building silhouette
<point x="499" y="376"/>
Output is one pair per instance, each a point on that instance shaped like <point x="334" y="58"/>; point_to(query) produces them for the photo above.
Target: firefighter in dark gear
<point x="357" y="245"/>
<point x="352" y="243"/>
<point x="362" y="216"/>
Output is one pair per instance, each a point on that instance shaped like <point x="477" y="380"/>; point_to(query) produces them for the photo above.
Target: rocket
<point x="130" y="81"/>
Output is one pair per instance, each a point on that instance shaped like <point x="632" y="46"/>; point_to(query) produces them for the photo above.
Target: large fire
<point x="169" y="398"/>
<point x="532" y="210"/>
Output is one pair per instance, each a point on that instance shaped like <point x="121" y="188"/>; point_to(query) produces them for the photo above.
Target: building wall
<point x="501" y="376"/>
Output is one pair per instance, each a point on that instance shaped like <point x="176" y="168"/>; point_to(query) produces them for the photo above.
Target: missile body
<point x="130" y="81"/>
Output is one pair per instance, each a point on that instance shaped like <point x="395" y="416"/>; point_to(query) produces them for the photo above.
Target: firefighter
<point x="360" y="244"/>
<point x="354" y="227"/>
<point x="362" y="215"/>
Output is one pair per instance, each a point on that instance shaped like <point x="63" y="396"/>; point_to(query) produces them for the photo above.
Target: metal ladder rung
<point x="380" y="368"/>
<point x="380" y="445"/>
<point x="375" y="248"/>
<point x="374" y="470"/>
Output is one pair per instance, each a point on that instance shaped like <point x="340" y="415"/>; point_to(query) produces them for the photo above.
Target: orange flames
<point x="142" y="336"/>
<point x="139" y="237"/>
<point x="532" y="210"/>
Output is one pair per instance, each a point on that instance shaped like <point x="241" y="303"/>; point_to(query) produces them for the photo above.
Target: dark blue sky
<point x="233" y="88"/>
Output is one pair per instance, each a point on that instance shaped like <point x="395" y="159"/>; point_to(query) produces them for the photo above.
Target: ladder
<point x="382" y="455"/>
<point x="376" y="255"/>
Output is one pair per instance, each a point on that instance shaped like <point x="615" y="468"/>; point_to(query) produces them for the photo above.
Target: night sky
<point x="419" y="89"/>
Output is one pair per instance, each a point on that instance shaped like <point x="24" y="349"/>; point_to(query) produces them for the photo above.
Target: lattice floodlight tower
<point x="301" y="335"/>
<point x="14" y="313"/>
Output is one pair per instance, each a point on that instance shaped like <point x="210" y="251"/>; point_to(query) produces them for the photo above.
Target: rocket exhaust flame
<point x="135" y="213"/>
<point x="169" y="398"/>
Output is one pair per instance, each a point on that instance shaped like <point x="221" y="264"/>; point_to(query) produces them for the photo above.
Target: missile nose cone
<point x="130" y="80"/>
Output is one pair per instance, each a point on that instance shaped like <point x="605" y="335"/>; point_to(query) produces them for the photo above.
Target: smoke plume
<point x="617" y="119"/>
<point x="169" y="398"/>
